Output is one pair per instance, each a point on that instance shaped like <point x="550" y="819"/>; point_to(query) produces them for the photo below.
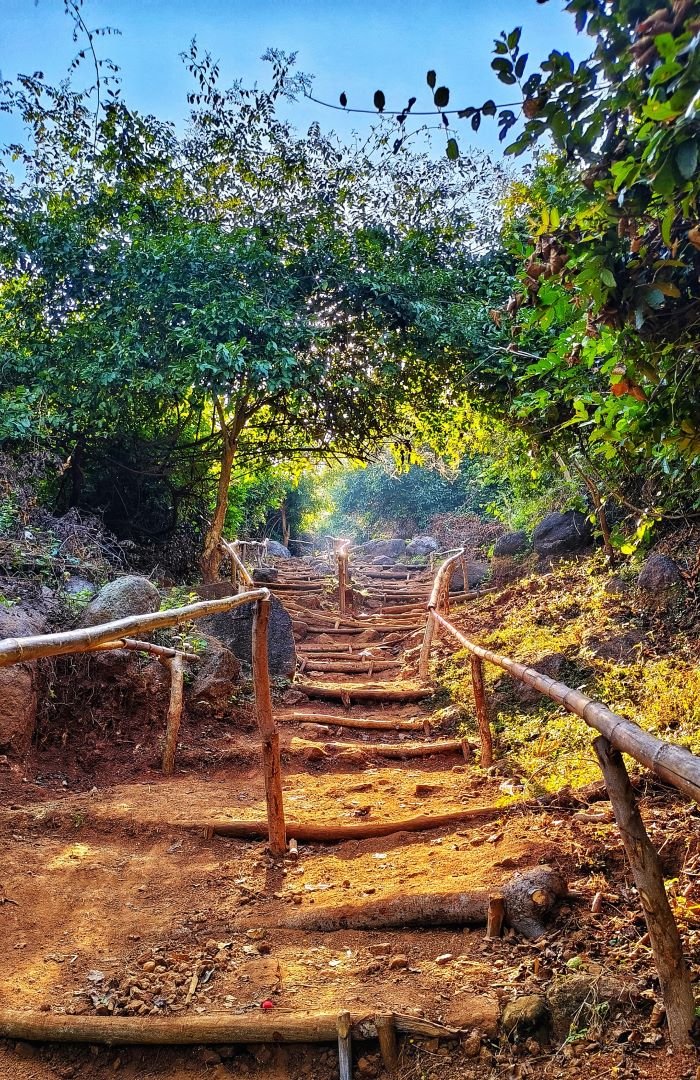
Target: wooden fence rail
<point x="673" y="764"/>
<point x="115" y="635"/>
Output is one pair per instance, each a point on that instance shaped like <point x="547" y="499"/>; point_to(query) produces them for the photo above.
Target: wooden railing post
<point x="482" y="712"/>
<point x="424" y="661"/>
<point x="648" y="877"/>
<point x="268" y="731"/>
<point x="172" y="727"/>
<point x="342" y="580"/>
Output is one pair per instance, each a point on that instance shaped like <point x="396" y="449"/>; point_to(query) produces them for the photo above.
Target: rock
<point x="80" y="588"/>
<point x="568" y="995"/>
<point x="396" y="963"/>
<point x="235" y="628"/>
<point x="130" y="595"/>
<point x="421" y="545"/>
<point x="367" y="1066"/>
<point x="478" y="571"/>
<point x="616" y="586"/>
<point x="277" y="550"/>
<point x="382" y="549"/>
<point x="616" y="647"/>
<point x="216" y="675"/>
<point x="553" y="665"/>
<point x="659" y="574"/>
<point x="210" y="1057"/>
<point x="19" y="688"/>
<point x="527" y="1017"/>
<point x="558" y="534"/>
<point x="265" y="574"/>
<point x="511" y="543"/>
<point x="471" y="1045"/>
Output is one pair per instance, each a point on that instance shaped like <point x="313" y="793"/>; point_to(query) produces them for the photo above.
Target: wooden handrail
<point x="115" y="635"/>
<point x="673" y="764"/>
<point x="16" y="650"/>
<point x="341" y="554"/>
<point x="237" y="567"/>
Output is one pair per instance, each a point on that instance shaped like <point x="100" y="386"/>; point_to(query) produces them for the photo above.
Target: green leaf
<point x="687" y="158"/>
<point x="431" y="79"/>
<point x="608" y="278"/>
<point x="452" y="149"/>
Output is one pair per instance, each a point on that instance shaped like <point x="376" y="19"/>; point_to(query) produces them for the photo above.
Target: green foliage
<point x="385" y="500"/>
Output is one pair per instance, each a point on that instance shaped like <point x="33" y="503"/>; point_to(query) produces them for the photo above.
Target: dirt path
<point x="117" y="903"/>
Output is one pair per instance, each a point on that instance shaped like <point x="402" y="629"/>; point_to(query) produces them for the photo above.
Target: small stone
<point x="210" y="1057"/>
<point x="381" y="948"/>
<point x="366" y="1067"/>
<point x="471" y="1046"/>
<point x="397" y="962"/>
<point x="25" y="1050"/>
<point x="150" y="965"/>
<point x="444" y="958"/>
<point x="527" y="1016"/>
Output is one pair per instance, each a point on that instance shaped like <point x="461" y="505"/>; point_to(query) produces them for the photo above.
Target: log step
<point x="363" y="693"/>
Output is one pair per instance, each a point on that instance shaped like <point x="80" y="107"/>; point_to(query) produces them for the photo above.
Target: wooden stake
<point x="648" y="877"/>
<point x="345" y="1045"/>
<point x="293" y="850"/>
<point x="386" y="1032"/>
<point x="423" y="663"/>
<point x="172" y="727"/>
<point x="496" y="915"/>
<point x="482" y="714"/>
<point x="268" y="731"/>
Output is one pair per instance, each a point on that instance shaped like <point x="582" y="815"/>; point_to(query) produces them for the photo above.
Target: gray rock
<point x="235" y="629"/>
<point x="553" y="665"/>
<point x="616" y="586"/>
<point x="216" y="675"/>
<point x="477" y="572"/>
<point x="19" y="691"/>
<point x="511" y="543"/>
<point x="77" y="585"/>
<point x="387" y="549"/>
<point x="659" y="574"/>
<point x="558" y="534"/>
<point x="615" y="647"/>
<point x="570" y="994"/>
<point x="277" y="550"/>
<point x="422" y="545"/>
<point x="527" y="1017"/>
<point x="265" y="574"/>
<point x="120" y="598"/>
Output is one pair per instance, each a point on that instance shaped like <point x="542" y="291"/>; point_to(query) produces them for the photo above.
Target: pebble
<point x="444" y="958"/>
<point x="150" y="965"/>
<point x="398" y="961"/>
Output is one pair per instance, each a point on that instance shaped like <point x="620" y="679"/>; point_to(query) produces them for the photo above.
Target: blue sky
<point x="357" y="46"/>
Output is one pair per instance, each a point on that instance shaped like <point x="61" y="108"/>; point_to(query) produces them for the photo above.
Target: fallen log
<point x="529" y="898"/>
<point x="303" y="832"/>
<point x="390" y="750"/>
<point x="260" y="1027"/>
<point x="352" y="667"/>
<point x="363" y="693"/>
<point x="368" y="723"/>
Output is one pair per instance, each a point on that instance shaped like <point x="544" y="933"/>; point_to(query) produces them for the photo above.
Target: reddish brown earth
<point x="112" y="900"/>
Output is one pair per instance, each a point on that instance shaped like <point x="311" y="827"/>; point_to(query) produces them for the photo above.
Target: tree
<point x="241" y="291"/>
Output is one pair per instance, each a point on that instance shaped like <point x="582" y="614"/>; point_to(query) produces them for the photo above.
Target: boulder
<point x="216" y="674"/>
<point x="421" y="545"/>
<point x="19" y="691"/>
<point x="527" y="1017"/>
<point x="553" y="665"/>
<point x="384" y="549"/>
<point x="478" y="572"/>
<point x="79" y="588"/>
<point x="615" y="646"/>
<point x="572" y="996"/>
<point x="265" y="574"/>
<point x="559" y="534"/>
<point x="277" y="550"/>
<point x="659" y="574"/>
<point x="235" y="629"/>
<point x="511" y="543"/>
<point x="130" y="595"/>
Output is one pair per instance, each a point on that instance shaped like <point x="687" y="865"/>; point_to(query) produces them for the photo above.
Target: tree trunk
<point x="212" y="554"/>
